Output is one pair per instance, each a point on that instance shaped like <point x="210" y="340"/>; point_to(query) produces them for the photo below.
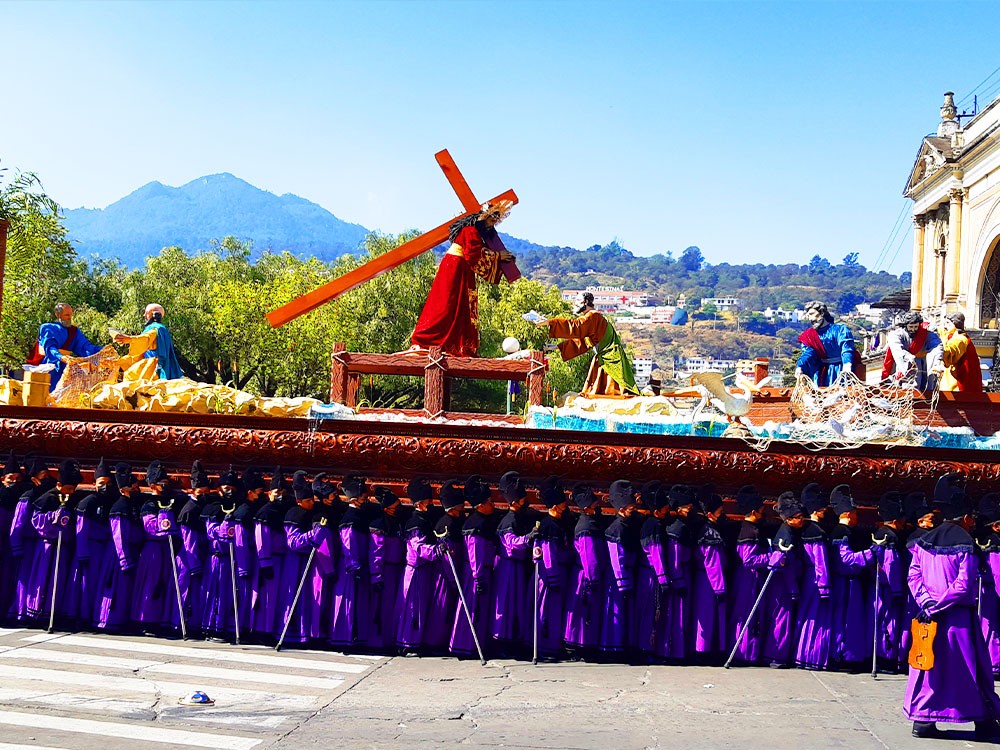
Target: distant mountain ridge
<point x="211" y="207"/>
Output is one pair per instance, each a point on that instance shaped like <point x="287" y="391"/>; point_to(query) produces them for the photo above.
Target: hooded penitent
<point x="353" y="486"/>
<point x="812" y="498"/>
<point x="621" y="494"/>
<point x="102" y="470"/>
<point x="511" y="487"/>
<point x="278" y="481"/>
<point x="748" y="500"/>
<point x="789" y="506"/>
<point x="301" y="487"/>
<point x="477" y="491"/>
<point x="229" y="478"/>
<point x="890" y="506"/>
<point x="123" y="475"/>
<point x="253" y="479"/>
<point x="452" y="494"/>
<point x="583" y="496"/>
<point x="69" y="472"/>
<point x="156" y="473"/>
<point x="551" y="492"/>
<point x="419" y="489"/>
<point x="199" y="477"/>
<point x="841" y="500"/>
<point x="647" y="494"/>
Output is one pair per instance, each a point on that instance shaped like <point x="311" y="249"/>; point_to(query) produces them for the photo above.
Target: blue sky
<point x="758" y="131"/>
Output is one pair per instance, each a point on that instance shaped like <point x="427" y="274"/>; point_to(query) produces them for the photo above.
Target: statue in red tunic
<point x="959" y="360"/>
<point x="450" y="317"/>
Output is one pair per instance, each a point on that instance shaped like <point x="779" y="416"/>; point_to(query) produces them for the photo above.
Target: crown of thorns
<point x="500" y="209"/>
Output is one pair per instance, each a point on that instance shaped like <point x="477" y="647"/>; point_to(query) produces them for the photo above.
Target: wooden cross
<point x="387" y="261"/>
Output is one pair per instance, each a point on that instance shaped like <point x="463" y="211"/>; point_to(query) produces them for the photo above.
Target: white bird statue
<point x="732" y="405"/>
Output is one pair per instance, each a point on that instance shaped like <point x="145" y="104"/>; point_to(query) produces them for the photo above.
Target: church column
<point x="954" y="265"/>
<point x="917" y="277"/>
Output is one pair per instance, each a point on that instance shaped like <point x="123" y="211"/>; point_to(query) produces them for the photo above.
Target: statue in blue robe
<point x="158" y="343"/>
<point x="56" y="340"/>
<point x="827" y="347"/>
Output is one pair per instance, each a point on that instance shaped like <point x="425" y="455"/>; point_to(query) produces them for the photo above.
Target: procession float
<point x="868" y="434"/>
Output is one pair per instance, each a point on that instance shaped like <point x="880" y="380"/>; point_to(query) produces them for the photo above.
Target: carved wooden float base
<point x="394" y="452"/>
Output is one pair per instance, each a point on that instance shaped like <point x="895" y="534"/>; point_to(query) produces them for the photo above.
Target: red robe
<point x="450" y="317"/>
<point x="961" y="361"/>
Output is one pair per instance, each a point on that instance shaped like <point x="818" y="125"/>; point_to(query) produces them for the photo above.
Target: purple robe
<point x="889" y="610"/>
<point x="906" y="637"/>
<point x="852" y="640"/>
<point x="444" y="590"/>
<point x="584" y="607"/>
<point x="386" y="557"/>
<point x="349" y="621"/>
<point x="680" y="543"/>
<point x="303" y="536"/>
<point x="989" y="572"/>
<point x="617" y="634"/>
<point x="814" y="615"/>
<point x="479" y="534"/>
<point x="218" y="618"/>
<point x="116" y="580"/>
<point x="245" y="549"/>
<point x="23" y="539"/>
<point x="959" y="687"/>
<point x="9" y="497"/>
<point x="780" y="603"/>
<point x="551" y="555"/>
<point x="708" y="593"/>
<point x="154" y="602"/>
<point x="50" y="518"/>
<point x="418" y="576"/>
<point x="652" y="585"/>
<point x="513" y="579"/>
<point x="93" y="534"/>
<point x="269" y="539"/>
<point x="191" y="552"/>
<point x="753" y="556"/>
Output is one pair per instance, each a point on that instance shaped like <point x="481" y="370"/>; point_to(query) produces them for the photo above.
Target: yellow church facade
<point x="955" y="188"/>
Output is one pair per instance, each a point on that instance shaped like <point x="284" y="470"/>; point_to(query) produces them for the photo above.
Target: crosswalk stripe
<point x="8" y="746"/>
<point x="120" y="707"/>
<point x="9" y="631"/>
<point x="242" y="675"/>
<point x="136" y="685"/>
<point x="61" y="699"/>
<point x="242" y="654"/>
<point x="73" y="658"/>
<point x="128" y="731"/>
<point x="66" y="677"/>
<point x="224" y="717"/>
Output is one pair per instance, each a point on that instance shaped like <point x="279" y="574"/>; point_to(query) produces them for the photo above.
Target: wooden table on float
<point x="435" y="368"/>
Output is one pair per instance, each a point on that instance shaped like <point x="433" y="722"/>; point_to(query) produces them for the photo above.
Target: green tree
<point x="710" y="310"/>
<point x="39" y="262"/>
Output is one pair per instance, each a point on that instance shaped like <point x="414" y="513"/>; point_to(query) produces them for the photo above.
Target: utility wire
<point x="972" y="93"/>
<point x="892" y="236"/>
<point x="902" y="241"/>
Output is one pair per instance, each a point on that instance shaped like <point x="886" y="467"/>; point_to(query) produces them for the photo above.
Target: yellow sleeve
<point x="137" y="346"/>
<point x="590" y="326"/>
<point x="954" y="348"/>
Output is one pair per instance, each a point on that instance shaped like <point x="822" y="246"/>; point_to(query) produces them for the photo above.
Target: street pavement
<point x="85" y="691"/>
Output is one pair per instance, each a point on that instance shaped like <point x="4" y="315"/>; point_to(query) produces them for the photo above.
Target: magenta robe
<point x="583" y="606"/>
<point x="753" y="556"/>
<point x="814" y="613"/>
<point x="959" y="687"/>
<point x="349" y="622"/>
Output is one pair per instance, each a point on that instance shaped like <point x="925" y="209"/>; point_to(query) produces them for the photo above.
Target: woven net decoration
<point x="82" y="375"/>
<point x="848" y="414"/>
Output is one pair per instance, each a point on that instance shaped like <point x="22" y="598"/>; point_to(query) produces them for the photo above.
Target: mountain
<point x="157" y="216"/>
